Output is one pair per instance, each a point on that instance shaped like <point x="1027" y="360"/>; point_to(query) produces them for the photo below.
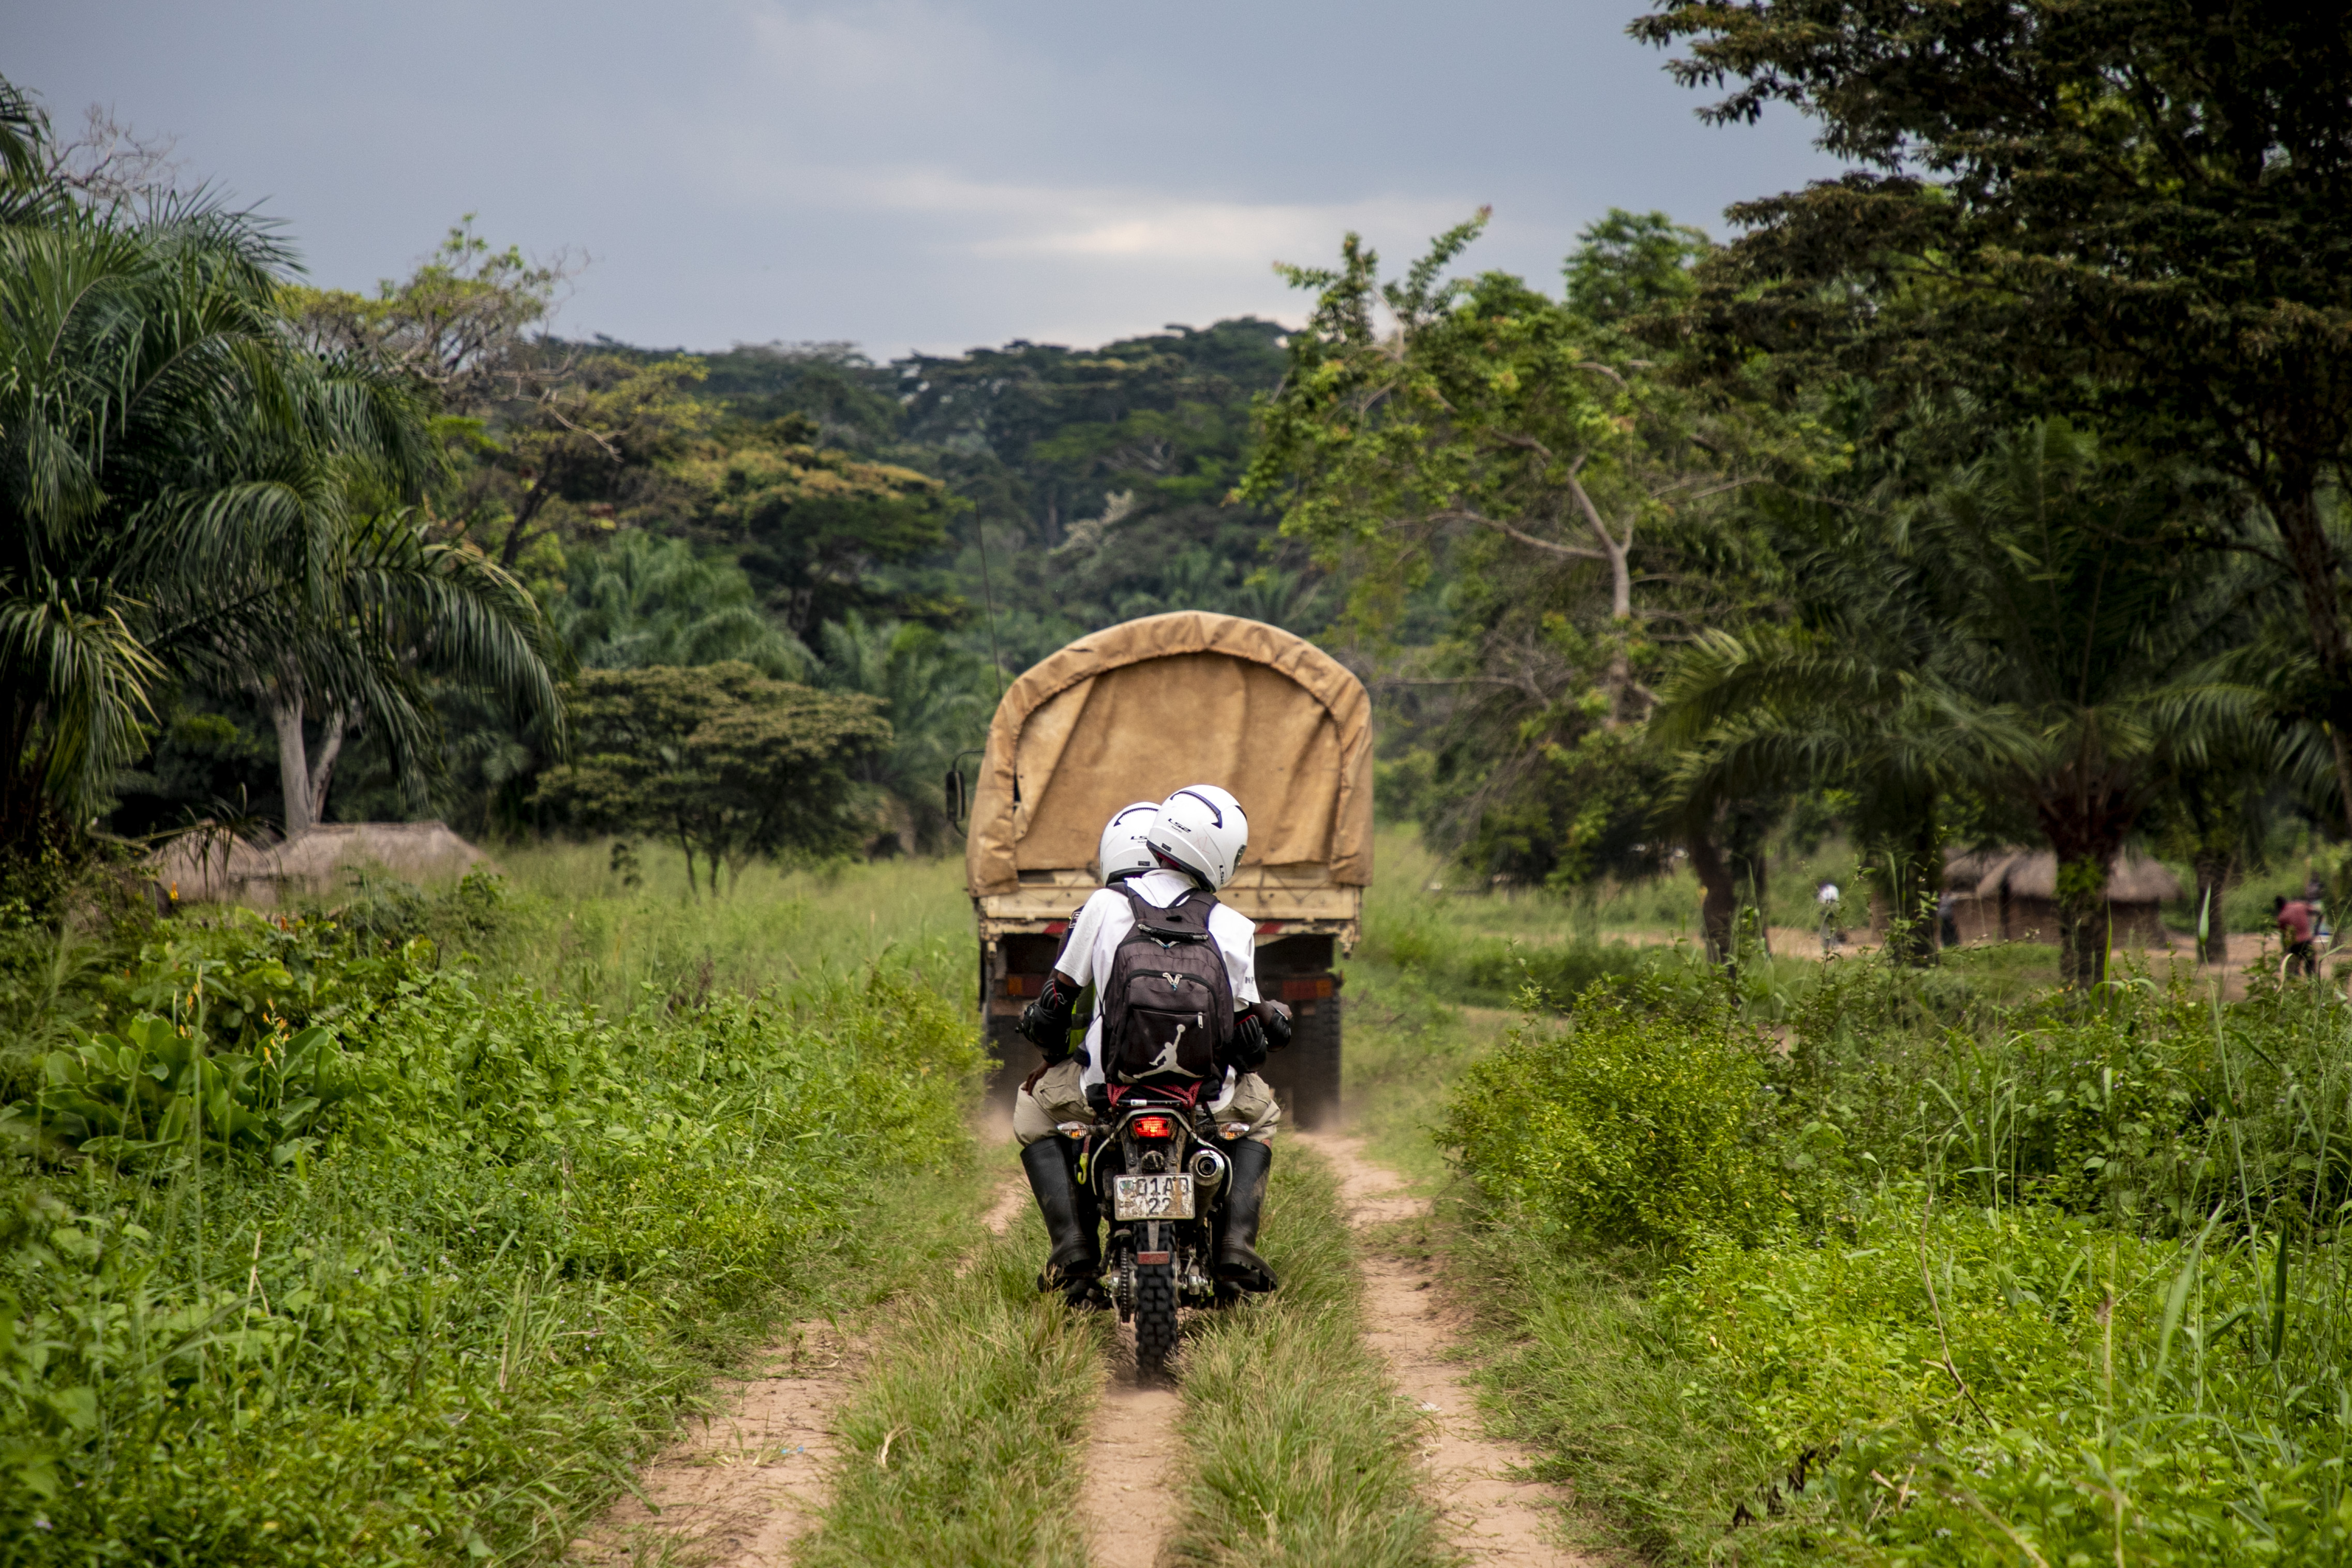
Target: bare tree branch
<point x="1571" y="552"/>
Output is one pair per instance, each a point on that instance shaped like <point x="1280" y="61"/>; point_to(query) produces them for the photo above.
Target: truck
<point x="1136" y="712"/>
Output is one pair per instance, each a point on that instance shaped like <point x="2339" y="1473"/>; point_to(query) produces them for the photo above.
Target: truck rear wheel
<point x="1014" y="1059"/>
<point x="1305" y="1076"/>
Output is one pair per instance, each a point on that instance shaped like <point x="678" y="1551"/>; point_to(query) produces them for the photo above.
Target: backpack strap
<point x="1186" y="920"/>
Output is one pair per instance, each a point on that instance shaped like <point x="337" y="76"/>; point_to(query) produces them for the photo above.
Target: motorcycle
<point x="1156" y="1168"/>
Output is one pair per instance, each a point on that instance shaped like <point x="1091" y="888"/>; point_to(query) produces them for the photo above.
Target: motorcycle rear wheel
<point x="1155" y="1318"/>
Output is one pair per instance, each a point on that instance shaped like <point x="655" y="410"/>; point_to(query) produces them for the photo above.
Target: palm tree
<point x="643" y="600"/>
<point x="187" y="496"/>
<point x="1837" y="703"/>
<point x="22" y="131"/>
<point x="937" y="698"/>
<point x="2080" y="675"/>
<point x="2020" y="634"/>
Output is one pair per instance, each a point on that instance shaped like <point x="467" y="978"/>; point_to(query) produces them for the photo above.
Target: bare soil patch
<point x="1128" y="1501"/>
<point x="746" y="1482"/>
<point x="750" y="1479"/>
<point x="1498" y="1521"/>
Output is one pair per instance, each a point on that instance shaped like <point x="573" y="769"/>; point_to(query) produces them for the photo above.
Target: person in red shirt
<point x="2295" y="923"/>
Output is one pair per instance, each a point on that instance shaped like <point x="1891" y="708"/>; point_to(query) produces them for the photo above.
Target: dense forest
<point x="1645" y="569"/>
<point x="886" y="529"/>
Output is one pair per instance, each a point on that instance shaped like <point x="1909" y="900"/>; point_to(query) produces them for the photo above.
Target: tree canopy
<point x="722" y="761"/>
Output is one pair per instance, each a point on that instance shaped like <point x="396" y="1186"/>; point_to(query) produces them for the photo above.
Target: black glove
<point x="1046" y="1022"/>
<point x="1246" y="1050"/>
<point x="1275" y="1016"/>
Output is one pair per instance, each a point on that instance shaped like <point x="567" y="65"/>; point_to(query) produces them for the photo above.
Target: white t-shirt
<point x="1106" y="921"/>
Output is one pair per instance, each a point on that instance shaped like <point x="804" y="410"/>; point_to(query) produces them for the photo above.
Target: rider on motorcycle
<point x="1193" y="839"/>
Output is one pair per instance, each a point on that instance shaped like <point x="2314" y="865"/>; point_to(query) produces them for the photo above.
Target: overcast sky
<point x="907" y="174"/>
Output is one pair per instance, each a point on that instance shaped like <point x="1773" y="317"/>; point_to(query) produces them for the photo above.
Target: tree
<point x="583" y="451"/>
<point x="460" y="325"/>
<point x="2076" y="672"/>
<point x="192" y="499"/>
<point x="644" y="600"/>
<point x="937" y="698"/>
<point x="2131" y="210"/>
<point x="815" y="531"/>
<point x="726" y="763"/>
<point x="2011" y="634"/>
<point x="174" y="505"/>
<point x="1532" y="452"/>
<point x="1837" y="702"/>
<point x="392" y="614"/>
<point x="21" y="134"/>
<point x="540" y="435"/>
<point x="1824" y="686"/>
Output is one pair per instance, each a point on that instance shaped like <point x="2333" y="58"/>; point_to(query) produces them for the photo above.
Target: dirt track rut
<point x="745" y="1483"/>
<point x="1497" y="1521"/>
<point x="1129" y="1499"/>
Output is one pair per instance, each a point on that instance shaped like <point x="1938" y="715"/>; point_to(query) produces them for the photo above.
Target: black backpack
<point x="1167" y="1006"/>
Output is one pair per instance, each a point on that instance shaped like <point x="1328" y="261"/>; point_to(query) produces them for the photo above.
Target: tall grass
<point x="319" y="1244"/>
<point x="588" y="936"/>
<point x="964" y="1445"/>
<point x="2059" y="1281"/>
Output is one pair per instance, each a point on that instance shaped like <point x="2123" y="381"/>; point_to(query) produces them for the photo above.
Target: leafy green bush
<point x="156" y="1088"/>
<point x="2153" y="1401"/>
<point x="1500" y="971"/>
<point x="451" y="1319"/>
<point x="2028" y="1301"/>
<point x="1627" y="1126"/>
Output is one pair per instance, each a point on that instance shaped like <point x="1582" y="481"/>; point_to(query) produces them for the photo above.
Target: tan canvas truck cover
<point x="1141" y="709"/>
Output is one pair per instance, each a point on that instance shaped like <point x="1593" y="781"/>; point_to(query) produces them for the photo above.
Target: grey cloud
<point x="910" y="172"/>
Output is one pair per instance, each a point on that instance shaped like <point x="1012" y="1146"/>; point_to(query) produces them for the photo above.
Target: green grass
<point x="1404" y="1046"/>
<point x="319" y="1243"/>
<point x="2054" y="1280"/>
<point x="1655" y="1459"/>
<point x="590" y="938"/>
<point x="1301" y="1454"/>
<point x="964" y="1445"/>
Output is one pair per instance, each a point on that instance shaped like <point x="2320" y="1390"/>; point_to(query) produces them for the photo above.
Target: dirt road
<point x="1498" y="1521"/>
<point x="747" y="1482"/>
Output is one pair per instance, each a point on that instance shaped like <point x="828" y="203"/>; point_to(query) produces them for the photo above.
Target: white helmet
<point x="1123" y="852"/>
<point x="1202" y="828"/>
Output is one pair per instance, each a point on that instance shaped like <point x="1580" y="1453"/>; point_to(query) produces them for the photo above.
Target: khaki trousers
<point x="1057" y="1095"/>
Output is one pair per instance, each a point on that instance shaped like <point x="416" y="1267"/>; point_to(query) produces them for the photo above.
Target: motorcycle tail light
<point x="1154" y="1127"/>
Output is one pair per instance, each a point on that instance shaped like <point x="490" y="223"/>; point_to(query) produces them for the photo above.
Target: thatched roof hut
<point x="2011" y="896"/>
<point x="220" y="869"/>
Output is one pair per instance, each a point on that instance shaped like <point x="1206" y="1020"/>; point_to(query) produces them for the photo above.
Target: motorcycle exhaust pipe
<point x="1209" y="1168"/>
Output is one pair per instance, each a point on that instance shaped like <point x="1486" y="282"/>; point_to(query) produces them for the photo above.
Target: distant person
<point x="1947" y="919"/>
<point x="1832" y="935"/>
<point x="2297" y="923"/>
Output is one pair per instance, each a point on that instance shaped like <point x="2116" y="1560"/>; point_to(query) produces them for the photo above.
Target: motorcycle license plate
<point x="1152" y="1196"/>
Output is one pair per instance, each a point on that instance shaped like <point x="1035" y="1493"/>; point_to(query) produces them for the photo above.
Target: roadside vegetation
<point x="2053" y="1283"/>
<point x="330" y="1243"/>
<point x="611" y="937"/>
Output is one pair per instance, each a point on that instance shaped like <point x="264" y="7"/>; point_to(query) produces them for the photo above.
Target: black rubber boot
<point x="1071" y="1221"/>
<point x="1237" y="1259"/>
